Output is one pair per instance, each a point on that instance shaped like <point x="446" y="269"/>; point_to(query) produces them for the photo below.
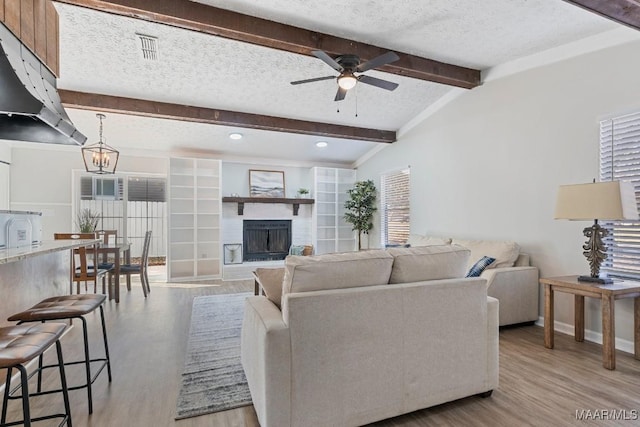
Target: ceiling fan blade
<point x="327" y="59"/>
<point x="316" y="79"/>
<point x="383" y="84"/>
<point x="340" y="94"/>
<point x="378" y="61"/>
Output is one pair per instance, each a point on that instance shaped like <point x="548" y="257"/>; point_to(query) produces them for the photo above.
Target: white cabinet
<point x="194" y="219"/>
<point x="331" y="233"/>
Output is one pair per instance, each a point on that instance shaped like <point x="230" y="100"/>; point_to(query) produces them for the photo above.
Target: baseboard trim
<point x="589" y="335"/>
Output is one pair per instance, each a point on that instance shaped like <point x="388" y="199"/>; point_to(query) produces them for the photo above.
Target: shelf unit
<point x="194" y="219"/>
<point x="330" y="232"/>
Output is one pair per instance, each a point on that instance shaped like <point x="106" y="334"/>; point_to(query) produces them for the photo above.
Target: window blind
<point x="620" y="160"/>
<point x="395" y="207"/>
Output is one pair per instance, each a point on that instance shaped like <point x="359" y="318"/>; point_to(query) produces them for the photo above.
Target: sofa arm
<point x="266" y="358"/>
<point x="517" y="290"/>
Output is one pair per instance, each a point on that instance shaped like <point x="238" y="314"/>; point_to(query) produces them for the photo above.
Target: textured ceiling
<point x="100" y="53"/>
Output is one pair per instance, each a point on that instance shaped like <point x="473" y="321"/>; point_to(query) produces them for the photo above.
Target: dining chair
<point x="83" y="262"/>
<point x="141" y="268"/>
<point x="108" y="237"/>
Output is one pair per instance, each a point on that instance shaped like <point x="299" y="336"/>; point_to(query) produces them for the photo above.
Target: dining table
<point x="121" y="252"/>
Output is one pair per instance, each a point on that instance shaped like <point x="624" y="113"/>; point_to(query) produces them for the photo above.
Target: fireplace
<point x="266" y="240"/>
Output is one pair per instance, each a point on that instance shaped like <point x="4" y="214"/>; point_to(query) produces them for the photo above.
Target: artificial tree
<point x="360" y="208"/>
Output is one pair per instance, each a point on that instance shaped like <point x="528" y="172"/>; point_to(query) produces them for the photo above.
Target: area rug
<point x="213" y="378"/>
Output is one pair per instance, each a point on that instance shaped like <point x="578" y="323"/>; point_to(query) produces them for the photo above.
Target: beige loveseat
<point x="365" y="336"/>
<point x="511" y="279"/>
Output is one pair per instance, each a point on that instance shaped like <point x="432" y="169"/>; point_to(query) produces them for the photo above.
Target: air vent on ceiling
<point x="149" y="46"/>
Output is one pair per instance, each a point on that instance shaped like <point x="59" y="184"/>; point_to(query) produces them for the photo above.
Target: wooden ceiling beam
<point x="626" y="12"/>
<point x="232" y="25"/>
<point x="163" y="110"/>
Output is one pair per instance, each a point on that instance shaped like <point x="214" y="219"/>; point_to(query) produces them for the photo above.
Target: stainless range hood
<point x="30" y="107"/>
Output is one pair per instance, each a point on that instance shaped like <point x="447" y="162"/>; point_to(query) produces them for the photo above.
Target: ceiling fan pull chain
<point x="356" y="100"/>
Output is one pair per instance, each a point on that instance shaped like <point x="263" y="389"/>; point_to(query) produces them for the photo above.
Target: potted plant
<point x="360" y="208"/>
<point x="303" y="193"/>
<point x="87" y="220"/>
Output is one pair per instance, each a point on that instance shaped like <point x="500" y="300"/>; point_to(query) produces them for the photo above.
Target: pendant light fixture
<point x="99" y="158"/>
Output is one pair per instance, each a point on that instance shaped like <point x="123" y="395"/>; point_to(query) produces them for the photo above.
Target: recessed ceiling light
<point x="235" y="135"/>
<point x="321" y="144"/>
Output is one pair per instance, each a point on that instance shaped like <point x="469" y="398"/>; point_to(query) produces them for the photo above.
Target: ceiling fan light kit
<point x="347" y="81"/>
<point x="347" y="65"/>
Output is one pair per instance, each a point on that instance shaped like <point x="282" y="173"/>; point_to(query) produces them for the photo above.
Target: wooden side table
<point x="607" y="294"/>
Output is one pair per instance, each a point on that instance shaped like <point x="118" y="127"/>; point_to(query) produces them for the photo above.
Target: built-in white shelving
<point x="330" y="232"/>
<point x="194" y="219"/>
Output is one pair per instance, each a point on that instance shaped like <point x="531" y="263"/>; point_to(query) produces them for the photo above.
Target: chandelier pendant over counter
<point x="99" y="158"/>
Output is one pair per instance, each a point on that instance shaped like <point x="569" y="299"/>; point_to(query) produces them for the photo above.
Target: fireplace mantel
<point x="296" y="202"/>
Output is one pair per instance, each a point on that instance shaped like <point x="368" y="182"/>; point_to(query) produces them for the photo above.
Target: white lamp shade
<point x="613" y="200"/>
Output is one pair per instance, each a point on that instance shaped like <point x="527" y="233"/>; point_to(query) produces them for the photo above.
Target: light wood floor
<point x="538" y="387"/>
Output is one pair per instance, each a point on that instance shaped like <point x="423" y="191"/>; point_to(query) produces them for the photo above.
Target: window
<point x="620" y="160"/>
<point x="395" y="207"/>
<point x="99" y="188"/>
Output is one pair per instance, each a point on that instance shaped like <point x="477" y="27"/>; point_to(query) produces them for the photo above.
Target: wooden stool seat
<point x="19" y="345"/>
<point x="72" y="307"/>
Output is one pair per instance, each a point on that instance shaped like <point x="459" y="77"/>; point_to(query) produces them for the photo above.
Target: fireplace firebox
<point x="266" y="240"/>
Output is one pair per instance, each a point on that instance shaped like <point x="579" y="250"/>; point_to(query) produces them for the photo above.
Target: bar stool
<point x="18" y="346"/>
<point x="71" y="307"/>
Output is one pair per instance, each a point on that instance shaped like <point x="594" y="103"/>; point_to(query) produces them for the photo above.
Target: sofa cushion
<point x="480" y="266"/>
<point x="505" y="252"/>
<point x="420" y="240"/>
<point x="271" y="282"/>
<point x="416" y="264"/>
<point x="336" y="271"/>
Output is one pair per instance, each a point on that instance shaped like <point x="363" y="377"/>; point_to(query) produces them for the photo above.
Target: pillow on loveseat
<point x="504" y="252"/>
<point x="335" y="271"/>
<point x="420" y="240"/>
<point x="416" y="264"/>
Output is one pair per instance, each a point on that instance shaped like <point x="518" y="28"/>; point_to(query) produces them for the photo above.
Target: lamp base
<point x="599" y="280"/>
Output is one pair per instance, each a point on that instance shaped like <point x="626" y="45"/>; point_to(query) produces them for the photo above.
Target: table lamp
<point x="612" y="200"/>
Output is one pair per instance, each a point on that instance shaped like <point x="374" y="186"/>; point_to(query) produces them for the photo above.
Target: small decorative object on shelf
<point x="303" y="193"/>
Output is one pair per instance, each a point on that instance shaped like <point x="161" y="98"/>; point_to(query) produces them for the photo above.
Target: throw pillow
<point x="479" y="266"/>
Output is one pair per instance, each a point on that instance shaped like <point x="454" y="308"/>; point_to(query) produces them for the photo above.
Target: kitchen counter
<point x="18" y="254"/>
<point x="32" y="273"/>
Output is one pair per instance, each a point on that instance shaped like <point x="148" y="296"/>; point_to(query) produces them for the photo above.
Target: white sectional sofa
<point x="511" y="279"/>
<point x="363" y="336"/>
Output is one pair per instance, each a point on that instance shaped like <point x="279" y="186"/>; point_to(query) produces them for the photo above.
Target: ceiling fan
<point x="347" y="66"/>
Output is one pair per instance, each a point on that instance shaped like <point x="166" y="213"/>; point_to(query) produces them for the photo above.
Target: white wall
<point x="489" y="163"/>
<point x="235" y="177"/>
<point x="41" y="180"/>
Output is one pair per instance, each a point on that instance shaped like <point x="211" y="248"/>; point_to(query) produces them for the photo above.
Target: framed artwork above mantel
<point x="266" y="183"/>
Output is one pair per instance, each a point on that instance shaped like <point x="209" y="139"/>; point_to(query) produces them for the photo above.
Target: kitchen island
<point x="33" y="273"/>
